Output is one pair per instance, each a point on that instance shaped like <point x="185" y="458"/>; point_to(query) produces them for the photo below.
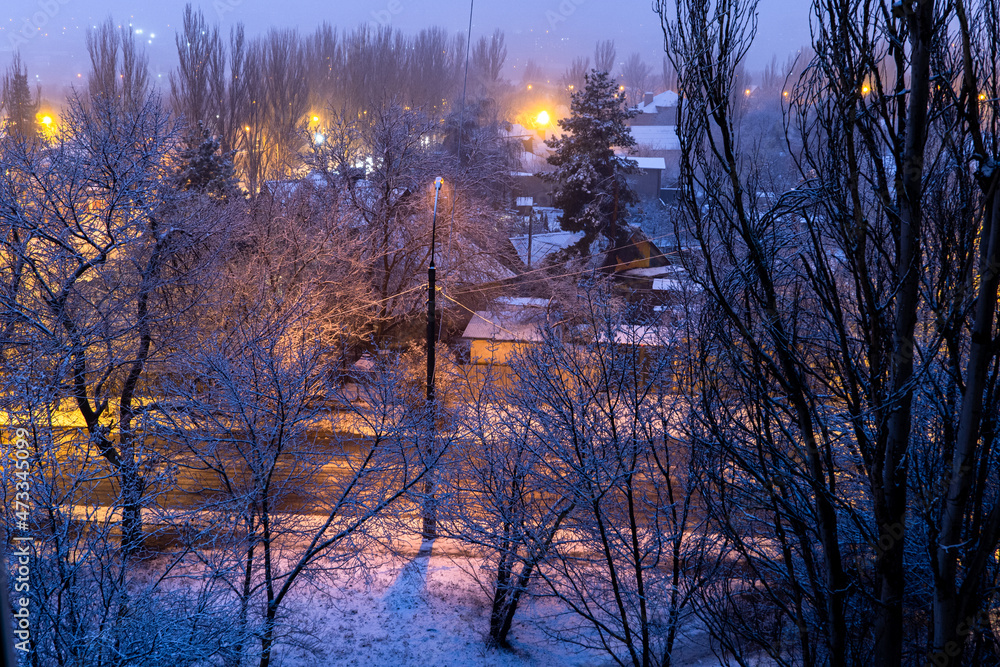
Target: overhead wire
<point x="574" y="273"/>
<point x="475" y="314"/>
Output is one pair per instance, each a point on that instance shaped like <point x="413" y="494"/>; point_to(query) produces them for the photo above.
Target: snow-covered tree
<point x="16" y="103"/>
<point x="204" y="168"/>
<point x="635" y="77"/>
<point x="849" y="380"/>
<point x="90" y="257"/>
<point x="590" y="177"/>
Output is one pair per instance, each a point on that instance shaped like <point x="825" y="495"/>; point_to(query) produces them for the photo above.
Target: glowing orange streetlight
<point x="542" y="118"/>
<point x="46" y="121"/>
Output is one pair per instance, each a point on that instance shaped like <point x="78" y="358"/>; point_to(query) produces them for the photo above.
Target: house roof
<point x="656" y="137"/>
<point x="651" y="272"/>
<point x="667" y="98"/>
<point x="650" y="163"/>
<point x="512" y="324"/>
<point x="523" y="301"/>
<point x="641" y="335"/>
<point x="512" y="318"/>
<point x="543" y="245"/>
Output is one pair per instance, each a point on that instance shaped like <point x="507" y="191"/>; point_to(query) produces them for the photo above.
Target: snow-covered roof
<point x="523" y="301"/>
<point x="651" y="163"/>
<point x="674" y="285"/>
<point x="513" y="324"/>
<point x="533" y="163"/>
<point x="518" y="131"/>
<point x="656" y="137"/>
<point x="650" y="272"/>
<point x="641" y="335"/>
<point x="543" y="245"/>
<point x="667" y="98"/>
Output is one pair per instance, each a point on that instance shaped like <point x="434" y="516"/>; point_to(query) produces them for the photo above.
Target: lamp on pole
<point x="429" y="531"/>
<point x="431" y="278"/>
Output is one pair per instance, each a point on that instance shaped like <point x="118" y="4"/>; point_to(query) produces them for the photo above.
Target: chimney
<point x="647" y="99"/>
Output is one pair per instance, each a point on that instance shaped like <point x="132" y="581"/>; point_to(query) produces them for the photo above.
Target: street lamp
<point x="429" y="530"/>
<point x="541" y="121"/>
<point x="431" y="276"/>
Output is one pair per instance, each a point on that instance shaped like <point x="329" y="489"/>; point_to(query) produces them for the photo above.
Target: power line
<point x="475" y="314"/>
<point x="575" y="273"/>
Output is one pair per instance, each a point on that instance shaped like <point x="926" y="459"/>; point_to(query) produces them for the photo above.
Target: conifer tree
<point x="206" y="168"/>
<point x="589" y="176"/>
<point x="17" y="104"/>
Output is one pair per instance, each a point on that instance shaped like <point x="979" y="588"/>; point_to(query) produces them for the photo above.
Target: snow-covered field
<point x="425" y="609"/>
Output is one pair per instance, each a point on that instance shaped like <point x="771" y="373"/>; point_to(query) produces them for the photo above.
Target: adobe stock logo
<point x="31" y="26"/>
<point x="566" y="9"/>
<point x="384" y="16"/>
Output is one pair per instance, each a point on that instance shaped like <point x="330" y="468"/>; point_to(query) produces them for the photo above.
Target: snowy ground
<point x="426" y="610"/>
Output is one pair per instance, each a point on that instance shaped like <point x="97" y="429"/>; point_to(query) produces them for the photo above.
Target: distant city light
<point x="865" y="89"/>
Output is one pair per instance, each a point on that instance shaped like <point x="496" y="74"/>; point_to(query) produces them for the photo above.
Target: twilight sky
<point x="50" y="33"/>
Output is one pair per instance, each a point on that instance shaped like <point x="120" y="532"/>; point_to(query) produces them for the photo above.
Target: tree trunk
<point x="891" y="497"/>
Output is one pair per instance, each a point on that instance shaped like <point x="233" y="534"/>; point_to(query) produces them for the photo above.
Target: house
<point x="534" y="159"/>
<point x="657" y="110"/>
<point x="512" y="323"/>
<point x="648" y="181"/>
<point x="638" y="253"/>
<point x="655" y="134"/>
<point x="533" y="249"/>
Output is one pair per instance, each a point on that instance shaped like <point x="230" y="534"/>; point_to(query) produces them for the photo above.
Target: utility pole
<point x="429" y="531"/>
<point x="531" y="218"/>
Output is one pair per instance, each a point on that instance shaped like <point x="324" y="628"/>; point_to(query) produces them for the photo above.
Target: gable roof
<point x="543" y="245"/>
<point x="509" y="325"/>
<point x="667" y="98"/>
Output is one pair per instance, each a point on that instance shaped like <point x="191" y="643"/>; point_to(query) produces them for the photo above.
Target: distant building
<point x="533" y="250"/>
<point x="648" y="181"/>
<point x="655" y="134"/>
<point x="534" y="159"/>
<point x="494" y="335"/>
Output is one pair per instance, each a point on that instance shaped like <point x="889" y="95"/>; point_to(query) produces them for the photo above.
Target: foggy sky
<point x="50" y="33"/>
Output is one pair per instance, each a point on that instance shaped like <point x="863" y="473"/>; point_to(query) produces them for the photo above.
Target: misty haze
<point x="563" y="334"/>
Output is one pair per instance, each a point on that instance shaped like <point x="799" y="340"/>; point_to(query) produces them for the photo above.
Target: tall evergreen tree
<point x="20" y="109"/>
<point x="590" y="179"/>
<point x="206" y="168"/>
